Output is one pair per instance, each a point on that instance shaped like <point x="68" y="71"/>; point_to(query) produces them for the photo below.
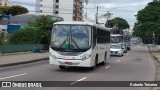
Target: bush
<point x="36" y="32"/>
<point x="24" y="37"/>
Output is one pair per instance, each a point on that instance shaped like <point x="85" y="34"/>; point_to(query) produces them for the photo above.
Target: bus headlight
<point x="53" y="56"/>
<point x="86" y="56"/>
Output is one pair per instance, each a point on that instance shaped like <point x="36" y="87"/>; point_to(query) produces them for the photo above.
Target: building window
<point x="41" y="5"/>
<point x="57" y="1"/>
<point x="5" y="4"/>
<point x="56" y="12"/>
<point x="41" y="0"/>
<point x="3" y="30"/>
<point x="57" y="6"/>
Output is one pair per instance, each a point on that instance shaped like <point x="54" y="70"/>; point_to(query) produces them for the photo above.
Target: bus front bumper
<point x="74" y="62"/>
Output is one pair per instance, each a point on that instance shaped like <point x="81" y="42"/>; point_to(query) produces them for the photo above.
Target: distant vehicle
<point x="134" y="42"/>
<point x="127" y="41"/>
<point x="117" y="39"/>
<point x="128" y="45"/>
<point x="116" y="49"/>
<point x="79" y="44"/>
<point x="124" y="47"/>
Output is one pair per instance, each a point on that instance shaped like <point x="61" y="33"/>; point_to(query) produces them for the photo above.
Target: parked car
<point x="124" y="47"/>
<point x="116" y="49"/>
<point x="134" y="42"/>
<point x="128" y="46"/>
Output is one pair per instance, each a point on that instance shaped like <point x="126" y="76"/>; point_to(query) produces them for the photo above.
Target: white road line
<point x="107" y="67"/>
<point x="13" y="76"/>
<point x="118" y="60"/>
<point x="78" y="80"/>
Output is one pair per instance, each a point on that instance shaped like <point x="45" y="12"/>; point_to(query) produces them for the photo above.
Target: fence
<point x="21" y="48"/>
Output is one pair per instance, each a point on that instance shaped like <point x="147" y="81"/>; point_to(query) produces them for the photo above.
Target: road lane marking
<point x="107" y="67"/>
<point x="118" y="60"/>
<point x="78" y="80"/>
<point x="13" y="76"/>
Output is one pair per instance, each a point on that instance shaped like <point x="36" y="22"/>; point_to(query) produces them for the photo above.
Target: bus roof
<point x="116" y="35"/>
<point x="80" y="23"/>
<point x="73" y="22"/>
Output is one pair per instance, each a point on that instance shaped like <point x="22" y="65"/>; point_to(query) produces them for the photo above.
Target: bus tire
<point x="105" y="59"/>
<point x="95" y="64"/>
<point x="62" y="67"/>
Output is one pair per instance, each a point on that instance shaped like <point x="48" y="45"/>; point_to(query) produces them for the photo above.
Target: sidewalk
<point x="21" y="58"/>
<point x="155" y="51"/>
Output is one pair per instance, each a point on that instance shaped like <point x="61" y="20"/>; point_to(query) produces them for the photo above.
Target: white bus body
<point x="79" y="44"/>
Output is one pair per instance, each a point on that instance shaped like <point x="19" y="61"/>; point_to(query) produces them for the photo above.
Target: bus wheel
<point x="62" y="67"/>
<point x="95" y="64"/>
<point x="105" y="59"/>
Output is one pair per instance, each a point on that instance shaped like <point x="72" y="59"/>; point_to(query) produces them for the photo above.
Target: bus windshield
<point x="70" y="37"/>
<point x="116" y="39"/>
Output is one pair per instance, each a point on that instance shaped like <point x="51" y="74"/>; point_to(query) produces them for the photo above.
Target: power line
<point x="120" y="7"/>
<point x="31" y="4"/>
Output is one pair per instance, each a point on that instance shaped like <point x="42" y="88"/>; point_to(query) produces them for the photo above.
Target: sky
<point x="126" y="9"/>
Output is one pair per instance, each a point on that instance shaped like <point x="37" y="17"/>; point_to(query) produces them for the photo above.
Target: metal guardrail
<point x="21" y="48"/>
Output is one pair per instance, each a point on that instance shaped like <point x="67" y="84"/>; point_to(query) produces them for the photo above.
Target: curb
<point x="25" y="62"/>
<point x="155" y="58"/>
<point x="17" y="53"/>
<point x="156" y="62"/>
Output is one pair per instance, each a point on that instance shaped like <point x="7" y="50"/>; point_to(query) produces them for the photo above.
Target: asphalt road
<point x="136" y="65"/>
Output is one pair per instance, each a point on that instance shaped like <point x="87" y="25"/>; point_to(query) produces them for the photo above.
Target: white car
<point x="116" y="49"/>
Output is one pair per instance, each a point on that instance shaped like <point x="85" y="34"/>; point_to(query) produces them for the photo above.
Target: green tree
<point x="148" y="21"/>
<point x="120" y="23"/>
<point x="13" y="10"/>
<point x="36" y="32"/>
<point x="4" y="9"/>
<point x="44" y="26"/>
<point x="17" y="10"/>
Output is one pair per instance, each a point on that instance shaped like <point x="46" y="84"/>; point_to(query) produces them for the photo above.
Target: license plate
<point x="113" y="52"/>
<point x="69" y="63"/>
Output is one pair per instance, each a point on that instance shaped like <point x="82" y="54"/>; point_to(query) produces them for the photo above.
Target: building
<point x="4" y="3"/>
<point x="25" y="19"/>
<point x="69" y="10"/>
<point x="3" y="28"/>
<point x="45" y="7"/>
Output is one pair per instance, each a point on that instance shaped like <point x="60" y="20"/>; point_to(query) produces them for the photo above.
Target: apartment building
<point x="70" y="10"/>
<point x="4" y="3"/>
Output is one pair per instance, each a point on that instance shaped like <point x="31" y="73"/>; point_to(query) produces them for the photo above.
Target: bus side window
<point x="94" y="36"/>
<point x="108" y="37"/>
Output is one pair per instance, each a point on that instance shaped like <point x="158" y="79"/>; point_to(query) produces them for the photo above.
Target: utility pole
<point x="97" y="16"/>
<point x="108" y="16"/>
<point x="153" y="38"/>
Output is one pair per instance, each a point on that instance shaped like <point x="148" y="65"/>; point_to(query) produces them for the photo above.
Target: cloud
<point x="126" y="9"/>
